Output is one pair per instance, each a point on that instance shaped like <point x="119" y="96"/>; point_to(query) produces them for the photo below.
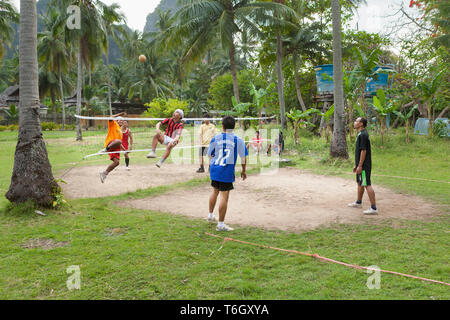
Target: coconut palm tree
<point x="8" y="14"/>
<point x="112" y="17"/>
<point x="133" y="45"/>
<point x="48" y="84"/>
<point x="9" y="71"/>
<point x="200" y="22"/>
<point x="32" y="177"/>
<point x="339" y="142"/>
<point x="91" y="39"/>
<point x="301" y="41"/>
<point x="55" y="52"/>
<point x="151" y="79"/>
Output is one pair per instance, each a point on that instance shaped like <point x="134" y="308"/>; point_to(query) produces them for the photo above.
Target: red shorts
<point x="114" y="155"/>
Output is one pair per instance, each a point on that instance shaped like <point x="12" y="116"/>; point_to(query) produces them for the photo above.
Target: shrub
<point x="162" y="108"/>
<point x="13" y="127"/>
<point x="440" y="128"/>
<point x="48" y="126"/>
<point x="3" y="128"/>
<point x="69" y="127"/>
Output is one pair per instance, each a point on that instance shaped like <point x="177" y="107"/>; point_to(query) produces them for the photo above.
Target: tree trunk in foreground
<point x="32" y="177"/>
<point x="339" y="142"/>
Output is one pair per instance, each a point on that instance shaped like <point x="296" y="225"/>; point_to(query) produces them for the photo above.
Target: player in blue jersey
<point x="223" y="151"/>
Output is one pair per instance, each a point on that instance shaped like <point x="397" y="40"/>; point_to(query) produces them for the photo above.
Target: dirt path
<point x="290" y="200"/>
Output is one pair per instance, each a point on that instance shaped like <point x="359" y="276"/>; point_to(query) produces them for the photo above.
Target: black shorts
<point x="222" y="186"/>
<point x="203" y="151"/>
<point x="363" y="179"/>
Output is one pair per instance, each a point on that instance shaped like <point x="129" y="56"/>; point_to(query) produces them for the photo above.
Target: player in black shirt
<point x="363" y="167"/>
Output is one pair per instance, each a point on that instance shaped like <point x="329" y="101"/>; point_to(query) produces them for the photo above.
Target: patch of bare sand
<point x="45" y="244"/>
<point x="289" y="200"/>
<point x="84" y="182"/>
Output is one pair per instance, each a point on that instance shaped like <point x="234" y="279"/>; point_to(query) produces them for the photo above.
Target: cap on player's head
<point x="228" y="123"/>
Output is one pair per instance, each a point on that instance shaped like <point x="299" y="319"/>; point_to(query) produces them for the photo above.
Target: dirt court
<point x="84" y="182"/>
<point x="287" y="200"/>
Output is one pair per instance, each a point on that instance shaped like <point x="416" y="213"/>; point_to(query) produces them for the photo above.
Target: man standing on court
<point x="223" y="150"/>
<point x="207" y="132"/>
<point x="170" y="138"/>
<point x="363" y="167"/>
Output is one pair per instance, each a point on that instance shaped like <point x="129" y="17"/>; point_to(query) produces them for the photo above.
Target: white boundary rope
<point x="160" y="119"/>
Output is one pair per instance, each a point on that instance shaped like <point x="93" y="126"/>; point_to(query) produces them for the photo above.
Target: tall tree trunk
<point x="89" y="75"/>
<point x="109" y="79"/>
<point x="61" y="92"/>
<point x="53" y="98"/>
<point x="32" y="177"/>
<point x="339" y="142"/>
<point x="79" y="86"/>
<point x="297" y="83"/>
<point x="280" y="81"/>
<point x="233" y="72"/>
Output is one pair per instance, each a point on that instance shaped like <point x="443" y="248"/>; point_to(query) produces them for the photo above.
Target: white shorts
<point x="167" y="140"/>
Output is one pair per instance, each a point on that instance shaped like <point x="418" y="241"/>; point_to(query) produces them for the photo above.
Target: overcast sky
<point x="370" y="17"/>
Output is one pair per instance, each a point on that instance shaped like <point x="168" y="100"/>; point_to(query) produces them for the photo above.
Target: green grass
<point x="134" y="254"/>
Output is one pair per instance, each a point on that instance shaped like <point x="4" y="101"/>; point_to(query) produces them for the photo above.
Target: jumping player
<point x="126" y="135"/>
<point x="171" y="136"/>
<point x="207" y="132"/>
<point x="113" y="142"/>
<point x="223" y="151"/>
<point x="363" y="167"/>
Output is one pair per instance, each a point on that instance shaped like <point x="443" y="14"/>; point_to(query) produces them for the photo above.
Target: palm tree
<point x="8" y="14"/>
<point x="111" y="18"/>
<point x="91" y="39"/>
<point x="120" y="81"/>
<point x="9" y="71"/>
<point x="133" y="45"/>
<point x="55" y="52"/>
<point x="200" y="22"/>
<point x="151" y="78"/>
<point x="280" y="77"/>
<point x="48" y="84"/>
<point x="339" y="142"/>
<point x="32" y="177"/>
<point x="302" y="41"/>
